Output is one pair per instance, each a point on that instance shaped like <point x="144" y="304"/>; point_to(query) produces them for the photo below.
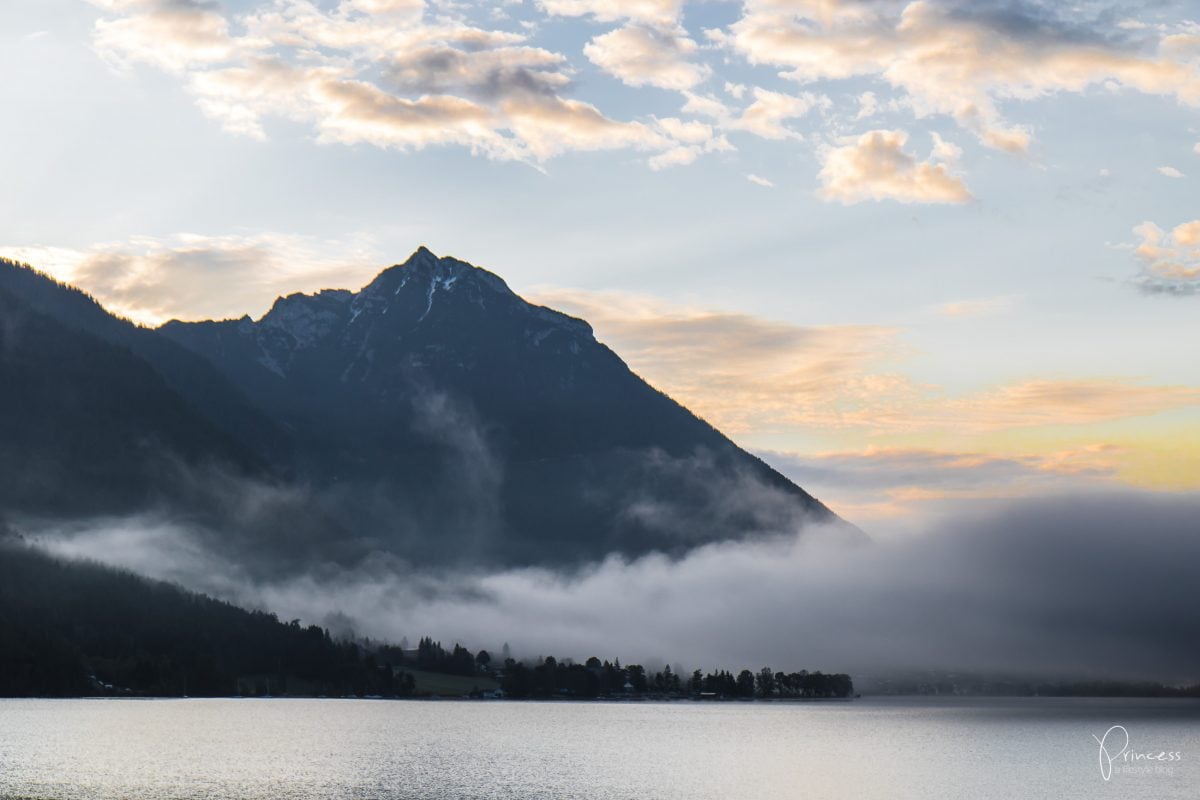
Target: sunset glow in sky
<point x="912" y="253"/>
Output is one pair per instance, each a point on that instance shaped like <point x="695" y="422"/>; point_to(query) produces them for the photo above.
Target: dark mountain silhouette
<point x="87" y="426"/>
<point x="434" y="415"/>
<point x="190" y="375"/>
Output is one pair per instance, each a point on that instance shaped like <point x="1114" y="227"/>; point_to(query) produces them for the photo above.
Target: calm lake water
<point x="870" y="748"/>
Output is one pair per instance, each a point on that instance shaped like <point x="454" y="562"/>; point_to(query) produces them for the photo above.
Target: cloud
<point x="549" y="128"/>
<point x="875" y="166"/>
<point x="653" y="12"/>
<point x="375" y="72"/>
<point x="974" y="308"/>
<point x="1170" y="172"/>
<point x="646" y="56"/>
<point x="1077" y="585"/>
<point x="868" y="105"/>
<point x="748" y="374"/>
<point x="1170" y="261"/>
<point x="911" y="487"/>
<point x="962" y="59"/>
<point x="351" y="111"/>
<point x="765" y="116"/>
<point x="389" y="6"/>
<point x="171" y="35"/>
<point x="1077" y="401"/>
<point x="406" y="75"/>
<point x="440" y="68"/>
<point x="738" y="371"/>
<point x="692" y="139"/>
<point x="675" y="157"/>
<point x="760" y="181"/>
<point x="702" y="105"/>
<point x="190" y="276"/>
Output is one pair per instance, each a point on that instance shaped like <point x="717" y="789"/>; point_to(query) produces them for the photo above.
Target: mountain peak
<point x="435" y="414"/>
<point x="425" y="305"/>
<point x="432" y="272"/>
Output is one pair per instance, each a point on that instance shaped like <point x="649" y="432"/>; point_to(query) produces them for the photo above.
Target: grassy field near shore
<point x="450" y="685"/>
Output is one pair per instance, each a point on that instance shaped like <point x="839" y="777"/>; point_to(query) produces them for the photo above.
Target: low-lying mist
<point x="1082" y="586"/>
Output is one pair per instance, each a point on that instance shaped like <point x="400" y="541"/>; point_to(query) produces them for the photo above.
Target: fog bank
<point x="1085" y="585"/>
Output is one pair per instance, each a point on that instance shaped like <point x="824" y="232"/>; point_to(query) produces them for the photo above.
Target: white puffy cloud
<point x="703" y="105"/>
<point x="958" y="58"/>
<point x="690" y="132"/>
<point x="765" y="116"/>
<point x="170" y="35"/>
<point x="755" y="179"/>
<point x="654" y="12"/>
<point x="642" y="55"/>
<point x="1170" y="261"/>
<point x="407" y="75"/>
<point x="550" y="126"/>
<point x="678" y="156"/>
<point x="875" y="166"/>
<point x="1170" y="172"/>
<point x="944" y="150"/>
<point x="692" y="139"/>
<point x="868" y="105"/>
<point x="388" y="6"/>
<point x="371" y="71"/>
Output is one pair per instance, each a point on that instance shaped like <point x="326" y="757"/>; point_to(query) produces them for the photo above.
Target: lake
<point x="865" y="749"/>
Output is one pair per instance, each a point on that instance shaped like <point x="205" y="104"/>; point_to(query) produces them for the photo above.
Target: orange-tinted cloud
<point x="150" y="280"/>
<point x="875" y="166"/>
<point x="879" y="483"/>
<point x="748" y="374"/>
<point x="1170" y="260"/>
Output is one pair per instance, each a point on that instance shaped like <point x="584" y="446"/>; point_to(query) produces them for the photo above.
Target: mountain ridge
<point x="436" y="415"/>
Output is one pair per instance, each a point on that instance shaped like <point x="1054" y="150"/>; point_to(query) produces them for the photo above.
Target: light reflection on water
<point x="870" y="748"/>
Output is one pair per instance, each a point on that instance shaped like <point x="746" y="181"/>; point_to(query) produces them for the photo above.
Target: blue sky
<point x="908" y="232"/>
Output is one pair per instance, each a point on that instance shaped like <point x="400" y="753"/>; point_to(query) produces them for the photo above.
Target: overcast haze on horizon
<point x="914" y="253"/>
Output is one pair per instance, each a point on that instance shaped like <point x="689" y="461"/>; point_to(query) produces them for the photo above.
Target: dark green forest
<point x="70" y="629"/>
<point x="552" y="678"/>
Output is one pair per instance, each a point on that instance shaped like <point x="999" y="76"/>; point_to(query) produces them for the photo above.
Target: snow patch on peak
<point x="477" y="275"/>
<point x="433" y="284"/>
